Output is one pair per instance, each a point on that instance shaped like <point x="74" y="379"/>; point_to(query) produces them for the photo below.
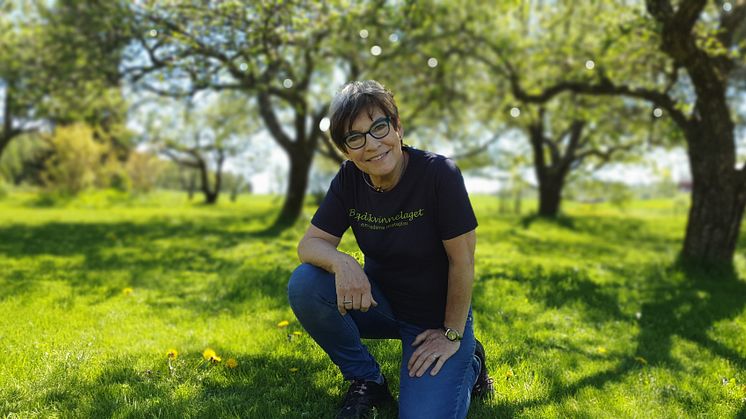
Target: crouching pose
<point x="413" y="221"/>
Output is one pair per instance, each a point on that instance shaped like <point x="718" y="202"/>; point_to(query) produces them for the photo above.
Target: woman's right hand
<point x="352" y="285"/>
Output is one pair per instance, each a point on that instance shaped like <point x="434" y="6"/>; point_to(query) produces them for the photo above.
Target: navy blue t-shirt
<point x="400" y="231"/>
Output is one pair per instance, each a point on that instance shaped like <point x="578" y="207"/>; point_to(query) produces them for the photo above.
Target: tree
<point x="688" y="55"/>
<point x="59" y="65"/>
<point x="566" y="132"/>
<point x="202" y="134"/>
<point x="18" y="41"/>
<point x="272" y="52"/>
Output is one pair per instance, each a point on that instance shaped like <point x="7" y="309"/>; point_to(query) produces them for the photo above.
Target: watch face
<point x="451" y="334"/>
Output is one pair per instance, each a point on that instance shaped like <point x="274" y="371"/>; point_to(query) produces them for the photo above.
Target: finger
<point x="425" y="365"/>
<point x="438" y="365"/>
<point x="418" y="358"/>
<point x="356" y="300"/>
<point x="420" y="338"/>
<point x="340" y="304"/>
<point x="373" y="301"/>
<point x="365" y="303"/>
<point x="413" y="359"/>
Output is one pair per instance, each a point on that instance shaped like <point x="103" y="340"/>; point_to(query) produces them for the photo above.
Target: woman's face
<point x="378" y="157"/>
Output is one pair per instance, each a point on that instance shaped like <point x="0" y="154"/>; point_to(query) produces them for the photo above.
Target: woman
<point x="411" y="216"/>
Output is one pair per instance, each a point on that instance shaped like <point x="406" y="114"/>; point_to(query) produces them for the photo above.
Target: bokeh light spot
<point x="727" y="6"/>
<point x="287" y="83"/>
<point x="432" y="62"/>
<point x="515" y="112"/>
<point x="590" y="65"/>
<point x="375" y="50"/>
<point x="393" y="37"/>
<point x="364" y="33"/>
<point x="657" y="112"/>
<point x="324" y="124"/>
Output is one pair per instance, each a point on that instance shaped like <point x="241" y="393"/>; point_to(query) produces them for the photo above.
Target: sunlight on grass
<point x="582" y="316"/>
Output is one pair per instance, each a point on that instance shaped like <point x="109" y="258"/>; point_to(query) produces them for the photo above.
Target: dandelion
<point x="231" y="363"/>
<point x="283" y="323"/>
<point x="641" y="360"/>
<point x="297" y="333"/>
<point x="127" y="291"/>
<point x="509" y="374"/>
<point x="211" y="356"/>
<point x="602" y="350"/>
<point x="172" y="353"/>
<point x="293" y="369"/>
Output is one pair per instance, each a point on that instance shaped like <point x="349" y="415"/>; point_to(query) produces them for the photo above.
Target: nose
<point x="371" y="142"/>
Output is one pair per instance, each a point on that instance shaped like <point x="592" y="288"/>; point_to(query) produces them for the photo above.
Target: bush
<point x="143" y="170"/>
<point x="74" y="164"/>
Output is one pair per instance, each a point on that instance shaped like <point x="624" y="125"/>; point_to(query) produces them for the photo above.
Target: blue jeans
<point x="313" y="298"/>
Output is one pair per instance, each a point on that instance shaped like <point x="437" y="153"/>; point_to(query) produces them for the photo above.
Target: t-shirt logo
<point x="375" y="222"/>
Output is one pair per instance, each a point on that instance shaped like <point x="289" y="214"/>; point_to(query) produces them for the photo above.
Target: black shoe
<point x="363" y="397"/>
<point x="484" y="386"/>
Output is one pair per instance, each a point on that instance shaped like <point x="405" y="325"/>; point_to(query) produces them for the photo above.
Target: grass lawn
<point x="582" y="317"/>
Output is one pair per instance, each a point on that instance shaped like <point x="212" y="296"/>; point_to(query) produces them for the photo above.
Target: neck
<point x="385" y="183"/>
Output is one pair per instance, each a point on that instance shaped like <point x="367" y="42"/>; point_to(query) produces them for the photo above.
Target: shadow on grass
<point x="261" y="386"/>
<point x="179" y="258"/>
<point x="679" y="302"/>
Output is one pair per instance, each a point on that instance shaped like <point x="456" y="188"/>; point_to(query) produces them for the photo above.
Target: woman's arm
<point x="460" y="252"/>
<point x="434" y="347"/>
<point x="319" y="248"/>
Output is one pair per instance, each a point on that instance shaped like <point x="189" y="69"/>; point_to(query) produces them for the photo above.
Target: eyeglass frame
<point x="387" y="119"/>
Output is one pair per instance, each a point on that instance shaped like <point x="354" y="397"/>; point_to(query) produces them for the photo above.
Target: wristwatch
<point x="452" y="334"/>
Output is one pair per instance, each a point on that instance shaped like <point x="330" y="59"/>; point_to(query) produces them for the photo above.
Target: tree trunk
<point x="717" y="208"/>
<point x="550" y="195"/>
<point x="300" y="165"/>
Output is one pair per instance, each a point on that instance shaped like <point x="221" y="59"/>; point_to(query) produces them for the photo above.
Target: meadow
<point x="107" y="308"/>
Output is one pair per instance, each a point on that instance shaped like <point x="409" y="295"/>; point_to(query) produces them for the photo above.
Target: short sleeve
<point x="455" y="213"/>
<point x="331" y="215"/>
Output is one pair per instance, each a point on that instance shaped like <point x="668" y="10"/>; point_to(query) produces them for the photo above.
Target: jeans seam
<point x="462" y="400"/>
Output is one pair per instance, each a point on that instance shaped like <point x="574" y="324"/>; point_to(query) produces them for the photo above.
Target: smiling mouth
<point x="378" y="157"/>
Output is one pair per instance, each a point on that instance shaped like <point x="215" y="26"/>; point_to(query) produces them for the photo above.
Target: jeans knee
<point x="306" y="285"/>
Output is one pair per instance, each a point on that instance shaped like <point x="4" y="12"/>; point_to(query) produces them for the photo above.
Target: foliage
<point x="584" y="316"/>
<point x="143" y="170"/>
<point x="21" y="160"/>
<point x="75" y="160"/>
<point x="59" y="65"/>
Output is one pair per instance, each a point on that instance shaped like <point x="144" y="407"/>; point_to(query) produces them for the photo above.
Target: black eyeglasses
<point x="378" y="129"/>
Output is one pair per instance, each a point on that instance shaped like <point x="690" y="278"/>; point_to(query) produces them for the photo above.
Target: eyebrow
<point x="371" y="124"/>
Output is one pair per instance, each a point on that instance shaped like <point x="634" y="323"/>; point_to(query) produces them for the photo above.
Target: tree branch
<point x="273" y="124"/>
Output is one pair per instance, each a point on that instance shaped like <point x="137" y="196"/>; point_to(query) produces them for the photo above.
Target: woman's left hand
<point x="434" y="347"/>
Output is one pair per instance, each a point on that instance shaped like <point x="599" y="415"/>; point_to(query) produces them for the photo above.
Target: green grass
<point x="583" y="317"/>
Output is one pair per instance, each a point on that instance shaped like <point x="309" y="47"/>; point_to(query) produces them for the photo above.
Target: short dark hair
<point x="356" y="97"/>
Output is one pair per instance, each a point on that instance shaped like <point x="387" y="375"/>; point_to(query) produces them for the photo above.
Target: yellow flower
<point x="127" y="291"/>
<point x="208" y="354"/>
<point x="509" y="373"/>
<point x="297" y="333"/>
<point x="293" y="369"/>
<point x="283" y="323"/>
<point x="172" y="353"/>
<point x="602" y="350"/>
<point x="641" y="360"/>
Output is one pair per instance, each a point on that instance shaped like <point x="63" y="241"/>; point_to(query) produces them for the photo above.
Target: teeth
<point x="378" y="157"/>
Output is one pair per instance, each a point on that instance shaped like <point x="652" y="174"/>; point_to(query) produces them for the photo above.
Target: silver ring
<point x="346" y="302"/>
